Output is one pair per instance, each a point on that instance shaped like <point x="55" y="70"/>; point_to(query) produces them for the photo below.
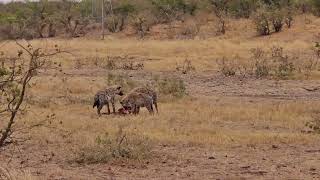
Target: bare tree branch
<point x="18" y="80"/>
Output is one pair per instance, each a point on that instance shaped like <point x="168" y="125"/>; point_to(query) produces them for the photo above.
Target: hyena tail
<point x="96" y="102"/>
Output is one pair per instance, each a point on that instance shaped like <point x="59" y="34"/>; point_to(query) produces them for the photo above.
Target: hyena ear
<point x="119" y="87"/>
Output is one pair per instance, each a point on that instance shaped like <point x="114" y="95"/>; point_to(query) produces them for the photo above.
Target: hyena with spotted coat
<point x="149" y="92"/>
<point x="103" y="97"/>
<point x="134" y="100"/>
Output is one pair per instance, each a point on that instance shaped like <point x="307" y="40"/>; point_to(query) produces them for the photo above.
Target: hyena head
<point x="126" y="104"/>
<point x="119" y="91"/>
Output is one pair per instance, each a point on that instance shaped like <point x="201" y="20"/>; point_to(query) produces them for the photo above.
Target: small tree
<point x="169" y="10"/>
<point x="277" y="19"/>
<point x="288" y="19"/>
<point x="220" y="9"/>
<point x="15" y="75"/>
<point x="71" y="19"/>
<point x="242" y="8"/>
<point x="316" y="7"/>
<point x="117" y="14"/>
<point x="261" y="21"/>
<point x="139" y="25"/>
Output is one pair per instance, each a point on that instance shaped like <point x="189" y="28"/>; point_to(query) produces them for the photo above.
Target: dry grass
<point x="192" y="121"/>
<point x="9" y="174"/>
<point x="203" y="53"/>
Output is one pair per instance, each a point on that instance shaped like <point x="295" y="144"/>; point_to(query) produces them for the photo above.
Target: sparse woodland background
<point x="44" y="19"/>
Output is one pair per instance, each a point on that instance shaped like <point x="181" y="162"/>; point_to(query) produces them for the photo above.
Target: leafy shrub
<point x="171" y="86"/>
<point x="273" y="63"/>
<point x="227" y="67"/>
<point x="261" y="66"/>
<point x="261" y="21"/>
<point x="170" y="10"/>
<point x="220" y="9"/>
<point x="132" y="66"/>
<point x="284" y="68"/>
<point x="242" y="8"/>
<point x="314" y="124"/>
<point x="185" y="67"/>
<point x="142" y="24"/>
<point x="277" y="18"/>
<point x="121" y="145"/>
<point x="117" y="17"/>
<point x="303" y="6"/>
<point x="288" y="19"/>
<point x="267" y="16"/>
<point x="185" y="30"/>
<point x="262" y="69"/>
<point x="316" y="7"/>
<point x="110" y="64"/>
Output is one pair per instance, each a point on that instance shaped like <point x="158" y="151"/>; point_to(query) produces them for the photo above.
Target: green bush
<point x="170" y="10"/>
<point x="227" y="67"/>
<point x="242" y="8"/>
<point x="284" y="68"/>
<point x="171" y="87"/>
<point x="262" y="69"/>
<point x="261" y="21"/>
<point x="277" y="19"/>
<point x="3" y="72"/>
<point x="118" y="16"/>
<point x="315" y="7"/>
<point x="268" y="18"/>
<point x="120" y="145"/>
<point x="85" y="8"/>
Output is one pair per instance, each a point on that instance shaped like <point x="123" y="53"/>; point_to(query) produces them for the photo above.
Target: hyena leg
<point x="134" y="109"/>
<point x="156" y="105"/>
<point x="113" y="107"/>
<point x="108" y="107"/>
<point x="137" y="110"/>
<point x="150" y="108"/>
<point x="99" y="109"/>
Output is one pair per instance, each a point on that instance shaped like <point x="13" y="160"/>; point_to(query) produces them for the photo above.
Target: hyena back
<point x="103" y="97"/>
<point x="149" y="92"/>
<point x="133" y="101"/>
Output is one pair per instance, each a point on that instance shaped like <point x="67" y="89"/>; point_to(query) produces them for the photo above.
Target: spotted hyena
<point x="133" y="101"/>
<point x="103" y="97"/>
<point x="150" y="92"/>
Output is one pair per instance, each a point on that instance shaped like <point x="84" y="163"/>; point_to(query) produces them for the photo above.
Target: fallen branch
<point x="311" y="89"/>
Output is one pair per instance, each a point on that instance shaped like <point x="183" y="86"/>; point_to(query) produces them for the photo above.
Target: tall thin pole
<point x="92" y="8"/>
<point x="102" y="19"/>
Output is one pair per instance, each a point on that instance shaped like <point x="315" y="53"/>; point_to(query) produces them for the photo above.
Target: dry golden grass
<point x="185" y="120"/>
<point x="202" y="53"/>
<point x="198" y="121"/>
<point x="195" y="120"/>
<point x="9" y="174"/>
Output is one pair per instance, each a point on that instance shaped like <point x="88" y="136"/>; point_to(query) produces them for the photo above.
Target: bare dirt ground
<point x="213" y="84"/>
<point x="184" y="162"/>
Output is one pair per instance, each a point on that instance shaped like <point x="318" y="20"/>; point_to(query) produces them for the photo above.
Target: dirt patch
<point x="184" y="162"/>
<point x="211" y="84"/>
